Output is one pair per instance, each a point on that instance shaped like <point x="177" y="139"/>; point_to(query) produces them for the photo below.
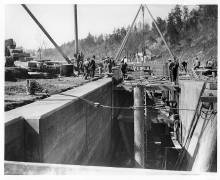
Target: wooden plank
<point x="209" y="99"/>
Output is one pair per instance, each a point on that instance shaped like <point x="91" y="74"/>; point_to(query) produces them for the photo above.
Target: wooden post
<point x="139" y="154"/>
<point x="76" y="29"/>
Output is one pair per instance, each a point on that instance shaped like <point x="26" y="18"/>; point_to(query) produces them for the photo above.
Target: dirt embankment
<point x="201" y="44"/>
<point x="16" y="92"/>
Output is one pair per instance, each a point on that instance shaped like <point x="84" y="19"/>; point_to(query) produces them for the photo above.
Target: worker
<point x="125" y="59"/>
<point x="113" y="62"/>
<point x="92" y="67"/>
<point x="77" y="59"/>
<point x="104" y="65"/>
<point x="184" y="65"/>
<point x="209" y="63"/>
<point x="86" y="68"/>
<point x="81" y="61"/>
<point x="109" y="65"/>
<point x="80" y="67"/>
<point x="170" y="66"/>
<point x="173" y="68"/>
<point x="197" y="63"/>
<point x="123" y="69"/>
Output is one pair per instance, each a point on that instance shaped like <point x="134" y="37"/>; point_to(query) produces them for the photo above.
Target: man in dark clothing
<point x="170" y="66"/>
<point x="113" y="62"/>
<point x="197" y="63"/>
<point x="123" y="69"/>
<point x="109" y="65"/>
<point x="92" y="67"/>
<point x="173" y="67"/>
<point x="175" y="70"/>
<point x="209" y="63"/>
<point x="184" y="64"/>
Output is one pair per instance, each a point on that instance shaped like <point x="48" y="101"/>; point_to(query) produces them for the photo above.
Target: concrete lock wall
<point x="62" y="128"/>
<point x="188" y="99"/>
<point x="14" y="139"/>
<point x="201" y="151"/>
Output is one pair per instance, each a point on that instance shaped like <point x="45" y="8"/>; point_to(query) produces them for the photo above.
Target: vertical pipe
<point x="139" y="154"/>
<point x="76" y="29"/>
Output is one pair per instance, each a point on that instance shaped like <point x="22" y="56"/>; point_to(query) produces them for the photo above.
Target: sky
<point x="58" y="20"/>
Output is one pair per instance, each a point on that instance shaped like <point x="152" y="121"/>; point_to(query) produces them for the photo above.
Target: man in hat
<point x="197" y="63"/>
<point x="184" y="64"/>
<point x="86" y="68"/>
<point x="123" y="68"/>
<point x="170" y="66"/>
<point x="92" y="66"/>
<point x="173" y="69"/>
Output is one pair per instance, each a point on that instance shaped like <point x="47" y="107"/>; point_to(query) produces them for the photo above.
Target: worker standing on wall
<point x="170" y="66"/>
<point x="173" y="68"/>
<point x="184" y="64"/>
<point x="92" y="67"/>
<point x="123" y="69"/>
<point x="197" y="63"/>
<point x="109" y="65"/>
<point x="86" y="68"/>
<point x="209" y="63"/>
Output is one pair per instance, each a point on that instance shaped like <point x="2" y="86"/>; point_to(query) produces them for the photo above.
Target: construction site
<point x="148" y="117"/>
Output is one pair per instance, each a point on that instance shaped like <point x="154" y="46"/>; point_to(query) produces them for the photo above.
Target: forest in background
<point x="188" y="33"/>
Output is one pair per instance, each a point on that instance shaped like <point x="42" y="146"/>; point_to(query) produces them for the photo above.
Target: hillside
<point x="188" y="34"/>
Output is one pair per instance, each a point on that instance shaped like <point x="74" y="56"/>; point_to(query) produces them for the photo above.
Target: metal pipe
<point x="46" y="33"/>
<point x="126" y="37"/>
<point x="76" y="29"/>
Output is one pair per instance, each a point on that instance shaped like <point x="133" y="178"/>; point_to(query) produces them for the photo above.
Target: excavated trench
<point x="160" y="150"/>
<point x="71" y="130"/>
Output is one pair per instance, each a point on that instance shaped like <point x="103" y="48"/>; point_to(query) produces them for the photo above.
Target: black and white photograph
<point x="117" y="88"/>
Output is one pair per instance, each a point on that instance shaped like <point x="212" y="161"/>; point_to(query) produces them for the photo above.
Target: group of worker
<point x="173" y="66"/>
<point x="88" y="66"/>
<point x="108" y="63"/>
<point x="85" y="67"/>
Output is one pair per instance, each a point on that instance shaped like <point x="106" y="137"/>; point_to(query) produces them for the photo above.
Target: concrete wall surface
<point x="188" y="99"/>
<point x="200" y="151"/>
<point x="24" y="168"/>
<point x="14" y="139"/>
<point x="65" y="129"/>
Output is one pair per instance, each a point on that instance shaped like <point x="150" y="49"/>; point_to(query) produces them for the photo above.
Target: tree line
<point x="181" y="24"/>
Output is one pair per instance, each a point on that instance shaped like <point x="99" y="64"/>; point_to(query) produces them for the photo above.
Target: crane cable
<point x="171" y="53"/>
<point x="126" y="36"/>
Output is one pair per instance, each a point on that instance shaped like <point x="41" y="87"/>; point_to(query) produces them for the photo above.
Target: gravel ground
<point x="16" y="95"/>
